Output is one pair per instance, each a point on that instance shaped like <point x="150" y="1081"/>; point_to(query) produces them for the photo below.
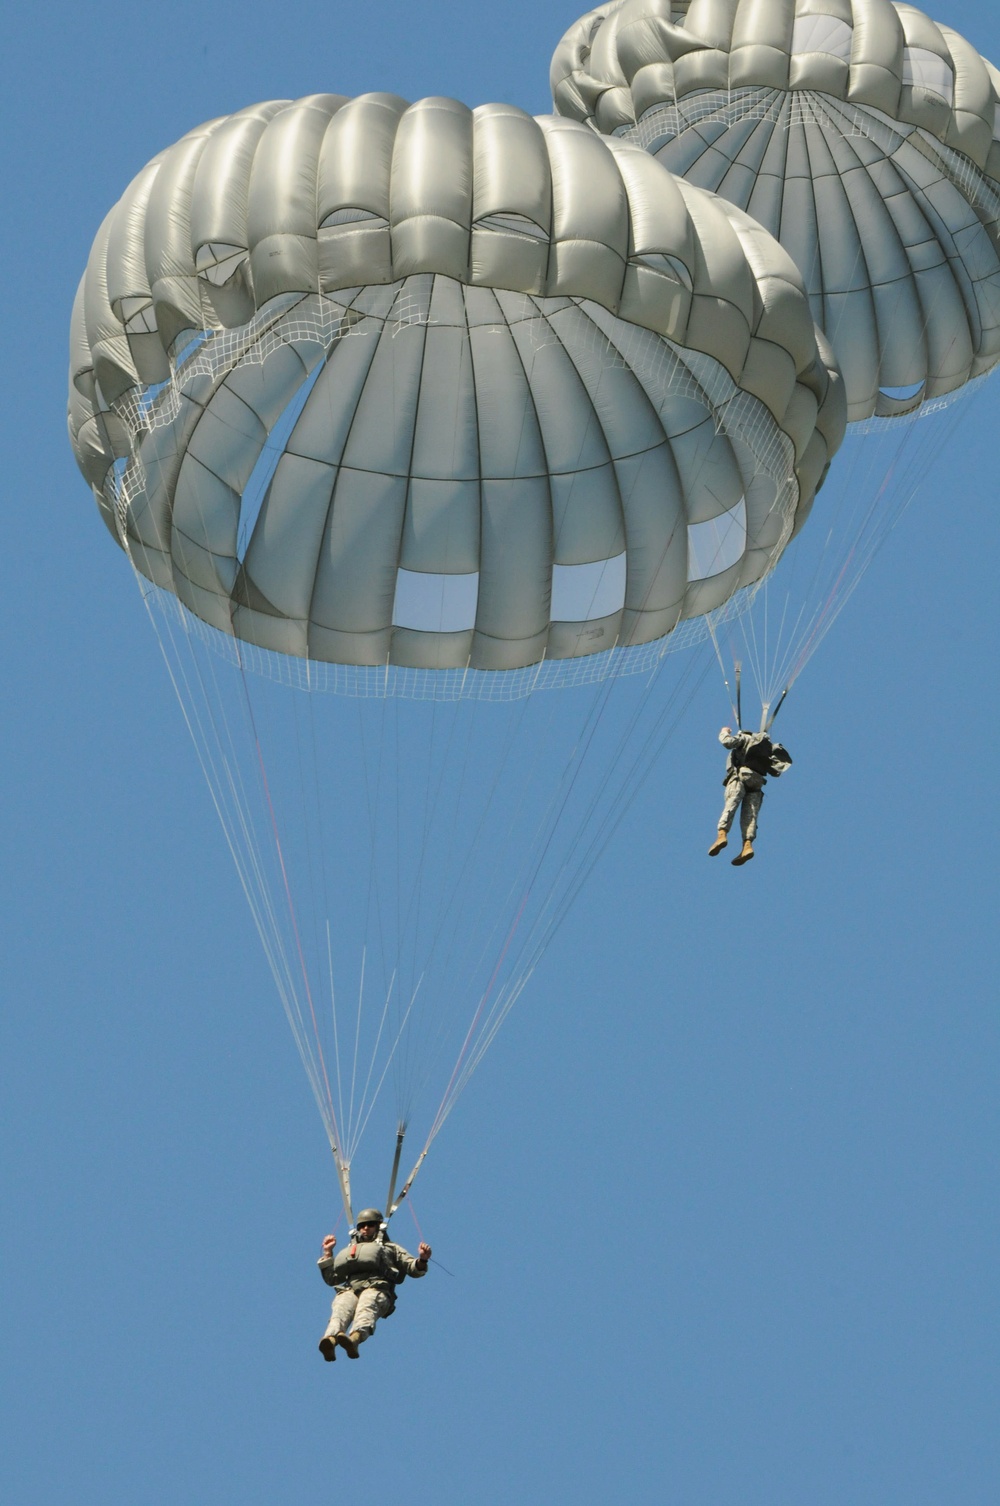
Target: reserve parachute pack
<point x="779" y="761"/>
<point x="365" y="1262"/>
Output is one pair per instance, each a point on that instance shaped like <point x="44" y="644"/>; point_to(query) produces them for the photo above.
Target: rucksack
<point x="757" y="755"/>
<point x="780" y="759"/>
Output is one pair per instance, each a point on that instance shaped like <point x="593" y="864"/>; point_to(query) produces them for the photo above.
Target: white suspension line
<point x="336" y="1033"/>
<point x="388" y="1063"/>
<point x="374" y="1057"/>
<point x="543" y="929"/>
<point x="357" y="1035"/>
<point x="251" y="879"/>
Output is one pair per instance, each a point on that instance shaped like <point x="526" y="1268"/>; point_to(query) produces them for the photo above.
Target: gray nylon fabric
<point x="861" y="133"/>
<point x="376" y="383"/>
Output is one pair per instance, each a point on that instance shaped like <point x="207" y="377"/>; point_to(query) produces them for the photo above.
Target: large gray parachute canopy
<point x="861" y="133"/>
<point x="376" y="383"/>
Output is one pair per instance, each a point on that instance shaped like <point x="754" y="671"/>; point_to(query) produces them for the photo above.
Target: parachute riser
<point x="400" y="1136"/>
<point x="767" y="721"/>
<point x="344" y="1180"/>
<point x="408" y="1183"/>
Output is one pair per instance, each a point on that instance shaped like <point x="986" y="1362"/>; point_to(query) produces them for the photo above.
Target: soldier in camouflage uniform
<point x="365" y="1275"/>
<point x="752" y="757"/>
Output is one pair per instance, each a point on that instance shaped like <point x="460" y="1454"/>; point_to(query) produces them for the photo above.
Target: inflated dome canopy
<point x="860" y="132"/>
<point x="371" y="383"/>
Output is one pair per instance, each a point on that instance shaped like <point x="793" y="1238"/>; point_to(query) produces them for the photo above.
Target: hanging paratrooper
<point x="365" y="1275"/>
<point x="752" y="757"/>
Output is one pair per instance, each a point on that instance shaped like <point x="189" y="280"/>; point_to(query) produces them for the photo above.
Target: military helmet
<point x="368" y="1216"/>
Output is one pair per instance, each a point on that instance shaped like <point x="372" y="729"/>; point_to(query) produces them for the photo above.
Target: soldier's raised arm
<point x="414" y="1265"/>
<point x="325" y="1261"/>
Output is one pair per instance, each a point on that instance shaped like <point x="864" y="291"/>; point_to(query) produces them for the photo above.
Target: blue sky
<point x="720" y="1206"/>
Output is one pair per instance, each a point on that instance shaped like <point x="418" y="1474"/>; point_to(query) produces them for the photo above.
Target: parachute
<point x="592" y="308"/>
<point x="860" y="133"/>
<point x="866" y="137"/>
<point x="403" y="415"/>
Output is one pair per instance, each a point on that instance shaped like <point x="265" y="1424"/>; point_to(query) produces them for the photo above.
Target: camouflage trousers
<point x="357" y="1312"/>
<point x="747" y="793"/>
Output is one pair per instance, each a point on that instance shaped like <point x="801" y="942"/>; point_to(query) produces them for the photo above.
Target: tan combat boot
<point x="745" y="855"/>
<point x="348" y="1342"/>
<point x="328" y="1347"/>
<point x="720" y="842"/>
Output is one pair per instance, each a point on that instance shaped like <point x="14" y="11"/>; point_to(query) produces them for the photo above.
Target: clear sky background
<point x="720" y="1205"/>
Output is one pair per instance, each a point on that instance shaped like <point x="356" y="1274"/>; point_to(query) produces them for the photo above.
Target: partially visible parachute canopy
<point x="371" y="383"/>
<point x="860" y="132"/>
